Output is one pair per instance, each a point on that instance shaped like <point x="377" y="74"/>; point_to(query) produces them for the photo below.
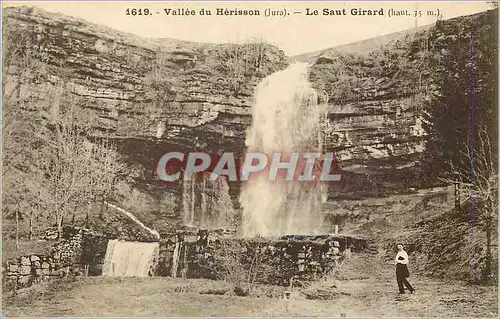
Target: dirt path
<point x="373" y="297"/>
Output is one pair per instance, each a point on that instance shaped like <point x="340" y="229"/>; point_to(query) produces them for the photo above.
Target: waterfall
<point x="130" y="259"/>
<point x="285" y="118"/>
<point x="206" y="203"/>
<point x="192" y="202"/>
<point x="175" y="259"/>
<point x="137" y="221"/>
<point x="188" y="198"/>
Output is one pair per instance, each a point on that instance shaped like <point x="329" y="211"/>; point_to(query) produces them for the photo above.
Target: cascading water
<point x="188" y="201"/>
<point x="207" y="204"/>
<point x="175" y="259"/>
<point x="286" y="118"/>
<point x="130" y="259"/>
<point x="133" y="218"/>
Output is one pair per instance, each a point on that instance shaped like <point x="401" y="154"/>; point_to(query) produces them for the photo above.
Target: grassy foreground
<point x="372" y="296"/>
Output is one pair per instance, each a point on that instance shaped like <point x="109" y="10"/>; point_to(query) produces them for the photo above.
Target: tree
<point x="461" y="117"/>
<point x="105" y="167"/>
<point x="23" y="65"/>
<point x="51" y="165"/>
<point x="478" y="180"/>
<point x="76" y="171"/>
<point x="465" y="73"/>
<point x="240" y="63"/>
<point x="239" y="262"/>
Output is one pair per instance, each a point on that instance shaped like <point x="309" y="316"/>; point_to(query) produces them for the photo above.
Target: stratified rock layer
<point x="377" y="100"/>
<point x="157" y="95"/>
<point x="150" y="96"/>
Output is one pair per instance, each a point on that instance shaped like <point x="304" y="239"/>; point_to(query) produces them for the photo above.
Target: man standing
<point x="402" y="272"/>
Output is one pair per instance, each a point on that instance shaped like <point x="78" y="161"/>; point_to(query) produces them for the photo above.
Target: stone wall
<point x="81" y="251"/>
<point x="193" y="253"/>
<point x="26" y="270"/>
<point x="214" y="254"/>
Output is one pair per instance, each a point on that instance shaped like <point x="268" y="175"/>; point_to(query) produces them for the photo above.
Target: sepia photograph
<point x="334" y="159"/>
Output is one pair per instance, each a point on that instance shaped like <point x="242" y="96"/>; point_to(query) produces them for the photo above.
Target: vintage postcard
<point x="250" y="159"/>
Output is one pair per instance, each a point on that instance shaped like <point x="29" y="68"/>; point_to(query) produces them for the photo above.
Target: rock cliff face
<point x="377" y="99"/>
<point x="375" y="112"/>
<point x="119" y="75"/>
<point x="157" y="95"/>
<point x="151" y="96"/>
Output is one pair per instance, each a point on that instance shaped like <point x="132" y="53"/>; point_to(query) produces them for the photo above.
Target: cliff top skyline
<point x="296" y="33"/>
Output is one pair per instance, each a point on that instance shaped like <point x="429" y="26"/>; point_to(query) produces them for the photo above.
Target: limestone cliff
<point x="375" y="106"/>
<point x="377" y="93"/>
<point x="113" y="70"/>
<point x="152" y="96"/>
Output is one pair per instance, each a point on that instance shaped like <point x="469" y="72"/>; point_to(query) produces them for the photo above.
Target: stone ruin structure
<point x="194" y="253"/>
<point x="200" y="253"/>
<point x="79" y="252"/>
